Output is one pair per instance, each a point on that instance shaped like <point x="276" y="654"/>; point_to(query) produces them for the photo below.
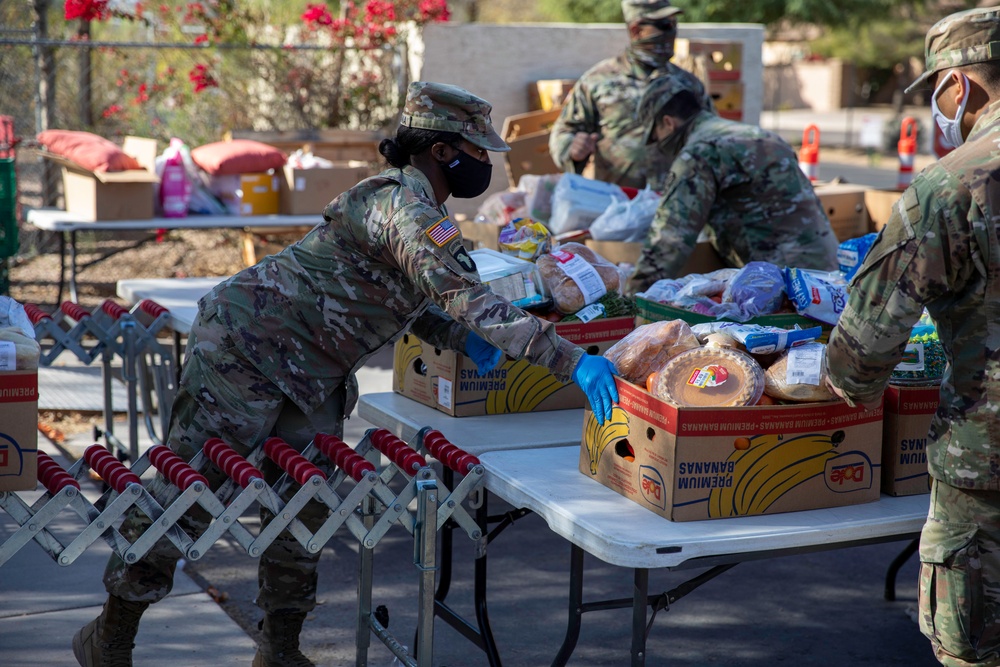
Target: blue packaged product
<point x="851" y="254"/>
<point x="815" y="297"/>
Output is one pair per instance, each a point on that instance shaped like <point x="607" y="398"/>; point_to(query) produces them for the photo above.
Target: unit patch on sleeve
<point x="441" y="232"/>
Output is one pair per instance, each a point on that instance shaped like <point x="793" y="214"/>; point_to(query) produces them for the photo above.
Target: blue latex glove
<point x="595" y="376"/>
<point x="482" y="353"/>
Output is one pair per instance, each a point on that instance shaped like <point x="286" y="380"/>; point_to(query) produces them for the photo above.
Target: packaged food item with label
<point x="649" y="347"/>
<point x="758" y="338"/>
<point x="575" y="276"/>
<point x="799" y="375"/>
<point x="851" y="254"/>
<point x="923" y="361"/>
<point x="709" y="377"/>
<point x="525" y="239"/>
<point x="815" y="294"/>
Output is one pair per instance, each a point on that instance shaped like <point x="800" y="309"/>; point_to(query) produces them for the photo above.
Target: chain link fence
<point x="129" y="83"/>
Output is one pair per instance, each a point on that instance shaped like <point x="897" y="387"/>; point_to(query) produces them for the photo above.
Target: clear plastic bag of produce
<point x="758" y="289"/>
<point x="649" y="347"/>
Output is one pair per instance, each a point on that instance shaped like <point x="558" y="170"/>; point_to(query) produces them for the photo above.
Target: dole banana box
<point x="18" y="430"/>
<point x="908" y="414"/>
<point x="449" y="380"/>
<point x="687" y="464"/>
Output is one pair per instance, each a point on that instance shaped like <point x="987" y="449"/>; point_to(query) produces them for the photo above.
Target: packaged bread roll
<point x="799" y="375"/>
<point x="649" y="347"/>
<point x="17" y="351"/>
<point x="576" y="276"/>
<point x="709" y="377"/>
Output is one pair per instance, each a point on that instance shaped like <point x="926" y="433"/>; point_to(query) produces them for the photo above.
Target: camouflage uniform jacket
<point x="606" y="100"/>
<point x="939" y="251"/>
<point x="309" y="316"/>
<point x="745" y="185"/>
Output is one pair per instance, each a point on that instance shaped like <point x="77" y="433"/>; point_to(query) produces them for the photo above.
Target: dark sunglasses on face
<point x="663" y="25"/>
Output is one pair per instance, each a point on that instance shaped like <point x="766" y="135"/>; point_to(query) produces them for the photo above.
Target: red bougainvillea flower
<point x="434" y="10"/>
<point x="202" y="78"/>
<point x="317" y="14"/>
<point x="86" y="10"/>
<point x="112" y="110"/>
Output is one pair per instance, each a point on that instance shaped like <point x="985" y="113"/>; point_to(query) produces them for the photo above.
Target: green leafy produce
<point x="615" y="305"/>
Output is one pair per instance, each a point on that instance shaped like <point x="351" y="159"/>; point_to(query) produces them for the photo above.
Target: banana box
<point x="449" y="380"/>
<point x="688" y="464"/>
<point x="18" y="430"/>
<point x="908" y="414"/>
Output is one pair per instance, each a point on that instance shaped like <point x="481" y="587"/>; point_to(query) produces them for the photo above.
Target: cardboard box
<point x="331" y="144"/>
<point x="845" y="206"/>
<point x="449" y="381"/>
<point x="704" y="258"/>
<point x="114" y="195"/>
<point x="548" y="94"/>
<point x="527" y="134"/>
<point x="479" y="235"/>
<point x="308" y="191"/>
<point x="258" y="194"/>
<point x="687" y="464"/>
<point x="908" y="414"/>
<point x="728" y="98"/>
<point x="879" y="204"/>
<point x="18" y="430"/>
<point x="724" y="60"/>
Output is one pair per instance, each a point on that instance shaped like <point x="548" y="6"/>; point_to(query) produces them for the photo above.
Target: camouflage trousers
<point x="960" y="576"/>
<point x="221" y="394"/>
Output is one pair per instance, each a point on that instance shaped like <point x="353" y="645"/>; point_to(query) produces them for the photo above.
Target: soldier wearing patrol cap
<point x="274" y="349"/>
<point x="940" y="253"/>
<point x="736" y="181"/>
<point x="599" y="114"/>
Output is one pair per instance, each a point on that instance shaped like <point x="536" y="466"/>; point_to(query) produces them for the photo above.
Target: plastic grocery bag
<point x="578" y="201"/>
<point x="627" y="220"/>
<point x="12" y="315"/>
<point x="538" y="190"/>
<point x="18" y="348"/>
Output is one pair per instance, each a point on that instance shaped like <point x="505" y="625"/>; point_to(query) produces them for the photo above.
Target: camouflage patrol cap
<point x="447" y="108"/>
<point x="648" y="10"/>
<point x="963" y="38"/>
<point x="659" y="91"/>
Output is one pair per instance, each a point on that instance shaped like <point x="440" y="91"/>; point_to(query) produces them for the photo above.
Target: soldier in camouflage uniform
<point x="940" y="252"/>
<point x="740" y="184"/>
<point x="274" y="349"/>
<point x="599" y="116"/>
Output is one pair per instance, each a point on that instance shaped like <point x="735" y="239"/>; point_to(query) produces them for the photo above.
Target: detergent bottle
<point x="175" y="190"/>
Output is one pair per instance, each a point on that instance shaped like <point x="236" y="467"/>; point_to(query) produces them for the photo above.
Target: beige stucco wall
<point x="820" y="86"/>
<point x="498" y="62"/>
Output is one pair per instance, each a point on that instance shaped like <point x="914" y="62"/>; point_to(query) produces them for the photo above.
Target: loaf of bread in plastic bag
<point x="776" y="383"/>
<point x="26" y="350"/>
<point x="649" y="347"/>
<point x="566" y="294"/>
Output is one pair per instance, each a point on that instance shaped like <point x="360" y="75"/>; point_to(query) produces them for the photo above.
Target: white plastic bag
<point x="627" y="220"/>
<point x="578" y="201"/>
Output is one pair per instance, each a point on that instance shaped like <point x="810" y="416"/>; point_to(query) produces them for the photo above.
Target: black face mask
<point x="467" y="177"/>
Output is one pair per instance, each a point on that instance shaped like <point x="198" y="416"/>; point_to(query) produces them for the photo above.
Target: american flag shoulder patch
<point x="441" y="232"/>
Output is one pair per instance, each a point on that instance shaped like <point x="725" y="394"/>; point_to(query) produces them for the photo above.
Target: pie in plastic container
<point x="710" y="377"/>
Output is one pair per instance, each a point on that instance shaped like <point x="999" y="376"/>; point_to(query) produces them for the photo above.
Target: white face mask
<point x="951" y="128"/>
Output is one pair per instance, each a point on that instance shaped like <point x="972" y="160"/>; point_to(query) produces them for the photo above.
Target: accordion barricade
<point x="383" y="482"/>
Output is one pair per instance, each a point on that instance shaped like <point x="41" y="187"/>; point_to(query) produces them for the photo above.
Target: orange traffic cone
<point x="907" y="148"/>
<point x="809" y="155"/>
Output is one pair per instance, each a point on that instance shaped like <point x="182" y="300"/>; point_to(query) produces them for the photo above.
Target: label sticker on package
<point x="444" y="392"/>
<point x="8" y="356"/>
<point x="591" y="312"/>
<point x="709" y="376"/>
<point x="583" y="274"/>
<point x="805" y="364"/>
<point x="912" y="359"/>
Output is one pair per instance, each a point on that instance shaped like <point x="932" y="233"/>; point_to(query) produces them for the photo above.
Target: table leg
<point x="575" y="607"/>
<point x="894" y="567"/>
<point x="640" y="600"/>
<point x="72" y="267"/>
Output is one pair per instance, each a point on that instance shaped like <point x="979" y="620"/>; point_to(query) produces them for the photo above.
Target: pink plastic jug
<point x="174" y="188"/>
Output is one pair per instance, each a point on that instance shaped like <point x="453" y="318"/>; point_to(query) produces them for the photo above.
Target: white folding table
<point x="545" y="480"/>
<point x="67" y="225"/>
<point x="178" y="295"/>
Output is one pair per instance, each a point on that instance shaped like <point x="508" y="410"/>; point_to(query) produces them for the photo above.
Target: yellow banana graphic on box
<point x="527" y="385"/>
<point x="407" y="351"/>
<point x="771" y="467"/>
<point x="597" y="436"/>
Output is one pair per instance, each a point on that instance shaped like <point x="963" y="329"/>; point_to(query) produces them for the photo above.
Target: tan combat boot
<point x="108" y="640"/>
<point x="279" y="647"/>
